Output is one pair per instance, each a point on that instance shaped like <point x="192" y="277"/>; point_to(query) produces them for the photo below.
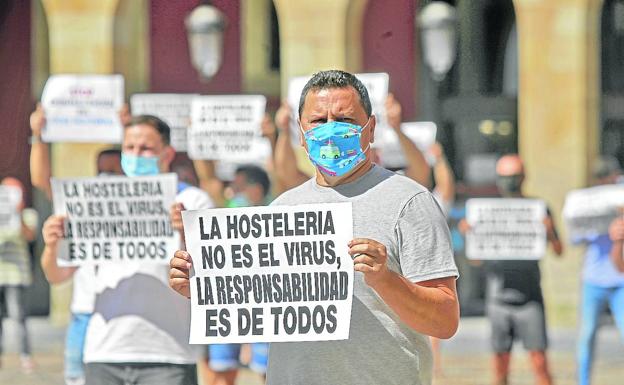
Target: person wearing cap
<point x="514" y="301"/>
<point x="602" y="283"/>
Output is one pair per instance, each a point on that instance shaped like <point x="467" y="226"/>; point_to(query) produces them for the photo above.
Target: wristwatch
<point x="34" y="139"/>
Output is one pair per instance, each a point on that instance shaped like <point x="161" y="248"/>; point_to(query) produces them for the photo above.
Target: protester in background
<point x="251" y="187"/>
<point x="183" y="167"/>
<point x="602" y="284"/>
<point x="108" y="162"/>
<point x="514" y="301"/>
<point x="132" y="335"/>
<point x="15" y="274"/>
<point x="404" y="282"/>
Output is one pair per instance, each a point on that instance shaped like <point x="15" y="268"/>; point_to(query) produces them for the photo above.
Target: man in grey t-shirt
<point x="404" y="282"/>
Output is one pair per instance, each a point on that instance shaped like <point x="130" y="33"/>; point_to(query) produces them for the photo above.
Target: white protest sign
<point x="271" y="273"/>
<point x="116" y="219"/>
<point x="590" y="211"/>
<point x="227" y="127"/>
<point x="505" y="228"/>
<point x="423" y="134"/>
<point x="174" y="109"/>
<point x="376" y="84"/>
<point x="83" y="108"/>
<point x="10" y="199"/>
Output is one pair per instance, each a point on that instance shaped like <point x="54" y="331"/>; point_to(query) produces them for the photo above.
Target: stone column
<point x="558" y="119"/>
<point x="80" y="42"/>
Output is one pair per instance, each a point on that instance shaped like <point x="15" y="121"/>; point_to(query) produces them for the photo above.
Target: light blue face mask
<point x="239" y="200"/>
<point x="133" y="165"/>
<point x="334" y="147"/>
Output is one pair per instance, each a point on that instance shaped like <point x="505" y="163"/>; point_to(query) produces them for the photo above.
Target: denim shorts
<point x="223" y="357"/>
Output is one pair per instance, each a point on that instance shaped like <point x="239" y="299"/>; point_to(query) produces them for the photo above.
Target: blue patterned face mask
<point x="133" y="165"/>
<point x="334" y="147"/>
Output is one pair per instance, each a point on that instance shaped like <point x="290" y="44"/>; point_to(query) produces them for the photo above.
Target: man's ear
<point x="301" y="138"/>
<point x="167" y="158"/>
<point x="372" y="124"/>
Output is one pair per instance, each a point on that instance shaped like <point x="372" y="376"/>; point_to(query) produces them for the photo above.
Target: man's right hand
<point x="37" y="121"/>
<point x="463" y="226"/>
<point x="175" y="214"/>
<point x="616" y="230"/>
<point x="393" y="112"/>
<point x="180" y="265"/>
<point x="53" y="230"/>
<point x="282" y="118"/>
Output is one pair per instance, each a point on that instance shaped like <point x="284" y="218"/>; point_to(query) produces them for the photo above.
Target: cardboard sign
<point x="226" y="127"/>
<point x="83" y="108"/>
<point x="10" y="199"/>
<point x="589" y="212"/>
<point x="270" y="274"/>
<point x="174" y="109"/>
<point x="505" y="229"/>
<point x="423" y="134"/>
<point x="376" y="84"/>
<point x="116" y="219"/>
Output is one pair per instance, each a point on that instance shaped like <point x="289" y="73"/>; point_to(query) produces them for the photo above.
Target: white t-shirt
<point x="137" y="316"/>
<point x="83" y="292"/>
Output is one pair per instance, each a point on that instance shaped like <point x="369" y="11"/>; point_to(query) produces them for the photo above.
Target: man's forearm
<point x="417" y="167"/>
<point x="617" y="257"/>
<point x="40" y="171"/>
<point x="53" y="272"/>
<point x="285" y="162"/>
<point x="429" y="307"/>
<point x="209" y="182"/>
<point x="444" y="179"/>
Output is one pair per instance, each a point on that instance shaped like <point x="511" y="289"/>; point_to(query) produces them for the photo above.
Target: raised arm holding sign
<point x="83" y="108"/>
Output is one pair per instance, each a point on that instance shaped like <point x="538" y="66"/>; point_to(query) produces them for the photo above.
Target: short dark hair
<point x="109" y="152"/>
<point x="152" y="121"/>
<point x="336" y="79"/>
<point x="605" y="166"/>
<point x="255" y="175"/>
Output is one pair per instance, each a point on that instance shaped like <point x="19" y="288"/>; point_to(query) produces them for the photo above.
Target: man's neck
<point x="327" y="181"/>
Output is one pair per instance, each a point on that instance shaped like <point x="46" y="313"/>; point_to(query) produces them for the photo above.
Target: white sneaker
<point x="27" y="363"/>
<point x="75" y="381"/>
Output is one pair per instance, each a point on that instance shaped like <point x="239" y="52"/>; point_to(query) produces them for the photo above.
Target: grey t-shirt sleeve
<point x="424" y="240"/>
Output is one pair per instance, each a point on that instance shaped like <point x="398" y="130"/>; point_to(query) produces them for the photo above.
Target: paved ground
<point x="465" y="357"/>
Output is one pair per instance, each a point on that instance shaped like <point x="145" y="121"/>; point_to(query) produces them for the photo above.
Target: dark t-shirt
<point x="514" y="282"/>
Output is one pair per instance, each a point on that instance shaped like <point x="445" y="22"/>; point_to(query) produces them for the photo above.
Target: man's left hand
<point x="371" y="258"/>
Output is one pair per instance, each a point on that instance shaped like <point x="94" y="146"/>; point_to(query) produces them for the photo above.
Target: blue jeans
<point x="224" y="357"/>
<point x="595" y="298"/>
<point x="14" y="300"/>
<point x="74" y="345"/>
